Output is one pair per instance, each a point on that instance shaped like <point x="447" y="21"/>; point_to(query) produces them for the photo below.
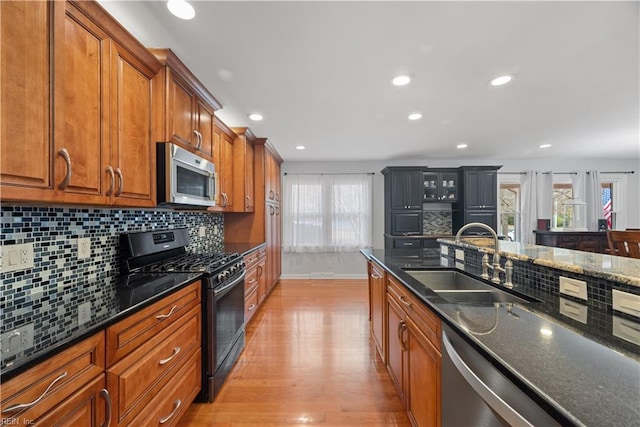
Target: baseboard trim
<point x="334" y="276"/>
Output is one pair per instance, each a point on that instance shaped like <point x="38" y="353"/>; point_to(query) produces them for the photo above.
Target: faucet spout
<point x="496" y="255"/>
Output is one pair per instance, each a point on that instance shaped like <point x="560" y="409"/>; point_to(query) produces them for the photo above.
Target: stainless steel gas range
<point x="157" y="252"/>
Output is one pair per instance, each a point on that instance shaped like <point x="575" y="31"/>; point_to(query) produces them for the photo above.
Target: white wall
<point x="352" y="265"/>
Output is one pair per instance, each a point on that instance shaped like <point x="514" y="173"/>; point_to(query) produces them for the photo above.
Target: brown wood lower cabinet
<point x="413" y="354"/>
<point x="151" y="377"/>
<point x="62" y="389"/>
<point x="377" y="307"/>
<point x="255" y="289"/>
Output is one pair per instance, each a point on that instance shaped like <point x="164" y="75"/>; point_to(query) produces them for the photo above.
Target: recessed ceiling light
<point x="501" y="80"/>
<point x="461" y="146"/>
<point x="544" y="145"/>
<point x="415" y="116"/>
<point x="255" y="117"/>
<point x="181" y="9"/>
<point x="401" y="80"/>
<point x="300" y="147"/>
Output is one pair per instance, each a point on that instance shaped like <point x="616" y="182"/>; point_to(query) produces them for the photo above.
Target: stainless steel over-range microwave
<point x="184" y="178"/>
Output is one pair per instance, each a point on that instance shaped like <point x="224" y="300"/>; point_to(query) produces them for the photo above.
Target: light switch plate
<point x="573" y="287"/>
<point x="84" y="313"/>
<point x="626" y="302"/>
<point x="202" y="231"/>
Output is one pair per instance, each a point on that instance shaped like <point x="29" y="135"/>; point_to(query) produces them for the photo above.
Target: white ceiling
<point x="320" y="74"/>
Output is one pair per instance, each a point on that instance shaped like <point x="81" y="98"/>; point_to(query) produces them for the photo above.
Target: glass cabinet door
<point x="431" y="193"/>
<point x="449" y="189"/>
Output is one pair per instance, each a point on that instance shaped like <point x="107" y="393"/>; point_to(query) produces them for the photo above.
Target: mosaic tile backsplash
<point x="58" y="281"/>
<point x="437" y="222"/>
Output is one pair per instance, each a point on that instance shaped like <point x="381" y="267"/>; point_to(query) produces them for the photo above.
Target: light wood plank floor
<point x="308" y="360"/>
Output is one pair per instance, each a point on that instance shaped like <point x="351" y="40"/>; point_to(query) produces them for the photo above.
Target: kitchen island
<point x="581" y="373"/>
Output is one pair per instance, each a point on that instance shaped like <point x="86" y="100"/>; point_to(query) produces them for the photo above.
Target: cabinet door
<point x="449" y="186"/>
<point x="225" y="175"/>
<point x="430" y="187"/>
<point x="249" y="179"/>
<point x="24" y="105"/>
<point x="262" y="281"/>
<point x="406" y="222"/>
<point x="132" y="150"/>
<point x="81" y="119"/>
<point x="205" y="125"/>
<point x="406" y="190"/>
<point x="484" y="216"/>
<point x="181" y="102"/>
<point x="377" y="293"/>
<point x="90" y="406"/>
<point x="480" y="190"/>
<point x="396" y="345"/>
<point x="423" y="379"/>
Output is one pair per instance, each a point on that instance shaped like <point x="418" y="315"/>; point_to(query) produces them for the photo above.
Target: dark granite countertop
<point x="112" y="299"/>
<point x="243" y="248"/>
<point x="585" y="372"/>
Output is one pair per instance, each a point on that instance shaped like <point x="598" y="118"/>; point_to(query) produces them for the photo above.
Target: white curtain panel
<point x="545" y="195"/>
<point x="593" y="198"/>
<point x="327" y="212"/>
<point x="529" y="208"/>
<point x="586" y="187"/>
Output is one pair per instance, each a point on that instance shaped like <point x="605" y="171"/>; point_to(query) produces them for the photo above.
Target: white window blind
<point x="327" y="212"/>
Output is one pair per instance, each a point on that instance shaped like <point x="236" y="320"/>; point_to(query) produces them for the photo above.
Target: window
<point x="509" y="210"/>
<point x="561" y="194"/>
<point x="327" y="213"/>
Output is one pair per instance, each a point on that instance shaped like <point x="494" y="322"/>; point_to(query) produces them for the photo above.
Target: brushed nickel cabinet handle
<point x="403" y="300"/>
<point x="121" y="184"/>
<point x="259" y="270"/>
<point x="176" y="351"/>
<point x="104" y="393"/>
<point x="113" y="180"/>
<point x="272" y="211"/>
<point x="67" y="159"/>
<point x="252" y="280"/>
<point x="164" y="316"/>
<point x="248" y="201"/>
<point x="195" y="132"/>
<point x="252" y="307"/>
<point x="375" y="275"/>
<point x="272" y="195"/>
<point x="35" y="402"/>
<point x="176" y="405"/>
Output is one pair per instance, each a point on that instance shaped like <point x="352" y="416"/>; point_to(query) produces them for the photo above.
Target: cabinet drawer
<point x="133" y="380"/>
<point x="130" y="333"/>
<point x="251" y="280"/>
<point x="426" y="320"/>
<point x="86" y="407"/>
<point x="64" y="373"/>
<point x="406" y="243"/>
<point x="170" y="403"/>
<point x="250" y="304"/>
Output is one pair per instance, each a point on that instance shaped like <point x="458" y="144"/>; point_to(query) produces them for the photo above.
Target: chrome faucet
<point x="495" y="266"/>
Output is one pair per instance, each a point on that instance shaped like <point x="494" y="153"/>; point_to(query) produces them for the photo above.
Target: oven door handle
<point x="225" y="288"/>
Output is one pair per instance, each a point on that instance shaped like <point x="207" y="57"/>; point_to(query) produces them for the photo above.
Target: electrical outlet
<point x="84" y="247"/>
<point x="84" y="313"/>
<point x="17" y="257"/>
<point x="202" y="231"/>
<point x="215" y="229"/>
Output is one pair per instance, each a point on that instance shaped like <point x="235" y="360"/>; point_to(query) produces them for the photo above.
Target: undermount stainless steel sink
<point x="454" y="286"/>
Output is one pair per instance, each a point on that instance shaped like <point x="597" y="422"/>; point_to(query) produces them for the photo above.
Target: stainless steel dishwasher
<point x="475" y="393"/>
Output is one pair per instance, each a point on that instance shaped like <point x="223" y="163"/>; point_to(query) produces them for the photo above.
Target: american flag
<point x="606" y="205"/>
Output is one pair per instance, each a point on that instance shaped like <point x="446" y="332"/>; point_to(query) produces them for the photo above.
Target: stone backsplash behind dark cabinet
<point x="58" y="279"/>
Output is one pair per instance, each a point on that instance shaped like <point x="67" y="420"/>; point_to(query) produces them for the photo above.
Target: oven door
<point x="184" y="178"/>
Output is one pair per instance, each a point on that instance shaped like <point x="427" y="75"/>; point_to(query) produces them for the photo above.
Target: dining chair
<point x="624" y="243"/>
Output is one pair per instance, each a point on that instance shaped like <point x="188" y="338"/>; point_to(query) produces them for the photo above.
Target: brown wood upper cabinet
<point x="223" y="149"/>
<point x="243" y="178"/>
<point x="73" y="59"/>
<point x="188" y="108"/>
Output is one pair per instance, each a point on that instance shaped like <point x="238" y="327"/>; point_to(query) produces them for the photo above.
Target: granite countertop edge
<point x="627" y="278"/>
